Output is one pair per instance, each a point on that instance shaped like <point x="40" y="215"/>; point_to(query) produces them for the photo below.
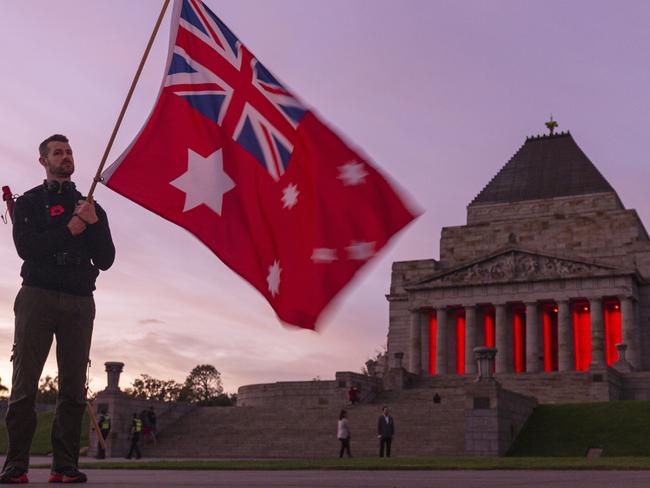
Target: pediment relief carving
<point x="517" y="266"/>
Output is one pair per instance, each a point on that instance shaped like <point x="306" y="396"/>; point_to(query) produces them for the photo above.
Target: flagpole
<point x="98" y="175"/>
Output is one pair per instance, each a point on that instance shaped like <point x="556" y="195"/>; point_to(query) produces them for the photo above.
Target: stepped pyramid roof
<point x="545" y="166"/>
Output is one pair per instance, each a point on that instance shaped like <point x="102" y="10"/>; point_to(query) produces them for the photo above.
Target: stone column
<point x="622" y="365"/>
<point x="484" y="356"/>
<point x="533" y="353"/>
<point x="470" y="339"/>
<point x="565" y="350"/>
<point x="113" y="370"/>
<point x="415" y="349"/>
<point x="501" y="340"/>
<point x="630" y="331"/>
<point x="597" y="334"/>
<point x="425" y="320"/>
<point x="441" y="341"/>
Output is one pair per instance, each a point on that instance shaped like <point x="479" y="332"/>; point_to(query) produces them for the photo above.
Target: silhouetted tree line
<point x="48" y="389"/>
<point x="202" y="386"/>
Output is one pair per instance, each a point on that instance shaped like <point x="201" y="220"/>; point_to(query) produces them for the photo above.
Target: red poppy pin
<point x="56" y="210"/>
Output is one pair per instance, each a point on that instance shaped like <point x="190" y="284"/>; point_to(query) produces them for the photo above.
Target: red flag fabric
<point x="232" y="156"/>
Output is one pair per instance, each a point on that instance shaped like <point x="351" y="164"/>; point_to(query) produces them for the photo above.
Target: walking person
<point x="151" y="415"/>
<point x="385" y="432"/>
<point x="146" y="429"/>
<point x="104" y="422"/>
<point x="134" y="435"/>
<point x="64" y="241"/>
<point x="343" y="433"/>
<point x="353" y="395"/>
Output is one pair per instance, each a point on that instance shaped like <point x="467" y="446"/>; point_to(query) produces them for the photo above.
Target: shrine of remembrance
<point x="551" y="269"/>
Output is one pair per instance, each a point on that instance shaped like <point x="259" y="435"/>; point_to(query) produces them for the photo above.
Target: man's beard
<point x="63" y="170"/>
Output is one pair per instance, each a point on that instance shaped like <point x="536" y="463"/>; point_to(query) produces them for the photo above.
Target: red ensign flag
<point x="232" y="156"/>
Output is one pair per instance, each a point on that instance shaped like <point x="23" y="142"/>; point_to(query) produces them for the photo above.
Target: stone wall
<point x="635" y="386"/>
<point x="410" y="271"/>
<point x="606" y="236"/>
<point x="309" y="393"/>
<point x="567" y="387"/>
<point x="562" y="206"/>
<point x="428" y="422"/>
<point x="121" y="408"/>
<point x="399" y="330"/>
<point x="399" y="314"/>
<point x="439" y="416"/>
<point x="643" y="319"/>
<point x="493" y="418"/>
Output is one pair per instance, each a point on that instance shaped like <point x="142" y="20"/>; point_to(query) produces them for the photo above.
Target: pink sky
<point x="439" y="93"/>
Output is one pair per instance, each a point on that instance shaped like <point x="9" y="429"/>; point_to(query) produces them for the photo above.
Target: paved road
<point x="361" y="479"/>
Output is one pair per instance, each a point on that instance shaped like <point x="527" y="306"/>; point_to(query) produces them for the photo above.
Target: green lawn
<point x="620" y="428"/>
<point x="397" y="463"/>
<point x="42" y="444"/>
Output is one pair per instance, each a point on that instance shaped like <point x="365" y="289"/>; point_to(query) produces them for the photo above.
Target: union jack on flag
<point x="229" y="154"/>
<point x="245" y="99"/>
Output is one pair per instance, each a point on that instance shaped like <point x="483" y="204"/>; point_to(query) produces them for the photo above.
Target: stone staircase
<point x="422" y="428"/>
<point x="551" y="387"/>
<point x="567" y="387"/>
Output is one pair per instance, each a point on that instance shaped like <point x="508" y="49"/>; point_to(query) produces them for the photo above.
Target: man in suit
<point x="385" y="432"/>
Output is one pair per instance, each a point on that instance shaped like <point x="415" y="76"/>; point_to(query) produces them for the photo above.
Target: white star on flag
<point x="323" y="255"/>
<point x="273" y="278"/>
<point x="352" y="173"/>
<point x="360" y="251"/>
<point x="290" y="196"/>
<point x="204" y="182"/>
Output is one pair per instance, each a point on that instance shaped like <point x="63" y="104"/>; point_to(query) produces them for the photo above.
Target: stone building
<point x="551" y="269"/>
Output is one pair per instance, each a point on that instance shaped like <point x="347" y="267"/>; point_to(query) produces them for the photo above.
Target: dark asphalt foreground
<point x="360" y="479"/>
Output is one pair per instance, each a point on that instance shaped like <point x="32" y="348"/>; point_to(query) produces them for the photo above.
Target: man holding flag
<point x="64" y="241"/>
<point x="234" y="157"/>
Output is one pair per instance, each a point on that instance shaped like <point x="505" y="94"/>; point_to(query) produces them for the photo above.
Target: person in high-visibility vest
<point x="104" y="422"/>
<point x="134" y="434"/>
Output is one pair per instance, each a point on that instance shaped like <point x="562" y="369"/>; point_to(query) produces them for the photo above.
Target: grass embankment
<point x="42" y="444"/>
<point x="619" y="428"/>
<point x="395" y="463"/>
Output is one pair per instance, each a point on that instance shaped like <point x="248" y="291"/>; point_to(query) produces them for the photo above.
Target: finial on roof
<point x="551" y="125"/>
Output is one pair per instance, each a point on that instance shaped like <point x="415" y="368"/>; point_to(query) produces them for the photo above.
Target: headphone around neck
<point x="54" y="186"/>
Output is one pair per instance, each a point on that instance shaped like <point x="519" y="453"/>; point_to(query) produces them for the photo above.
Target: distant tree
<point x="4" y="391"/>
<point x="150" y="388"/>
<point x="222" y="400"/>
<point x="203" y="385"/>
<point x="48" y="390"/>
<point x="379" y="360"/>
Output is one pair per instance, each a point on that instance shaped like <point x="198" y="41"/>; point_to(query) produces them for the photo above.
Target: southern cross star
<point x="290" y="196"/>
<point x="352" y="173"/>
<point x="273" y="278"/>
<point x="204" y="182"/>
<point x="360" y="251"/>
<point x="323" y="255"/>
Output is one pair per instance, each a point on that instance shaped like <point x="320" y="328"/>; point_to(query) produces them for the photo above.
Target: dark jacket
<point x="385" y="429"/>
<point x="54" y="259"/>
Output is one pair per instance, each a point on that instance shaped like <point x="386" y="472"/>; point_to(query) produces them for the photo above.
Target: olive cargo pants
<point x="40" y="315"/>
